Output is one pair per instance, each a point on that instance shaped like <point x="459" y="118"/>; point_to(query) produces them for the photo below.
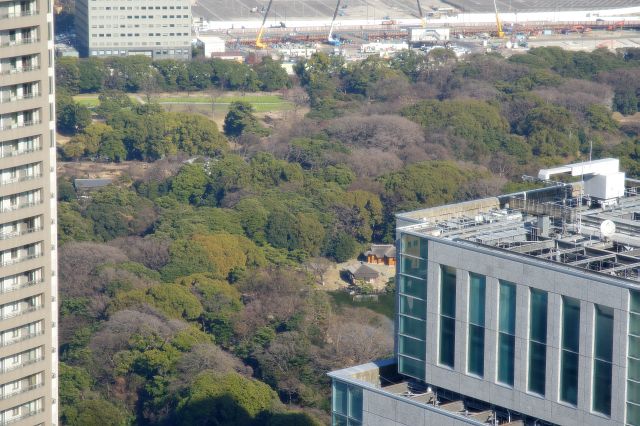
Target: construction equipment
<point x="334" y="41"/>
<point x="498" y="23"/>
<point x="259" y="43"/>
<point x="423" y="19"/>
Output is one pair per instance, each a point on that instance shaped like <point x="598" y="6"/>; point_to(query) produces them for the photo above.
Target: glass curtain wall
<point x="447" y="315"/>
<point x="633" y="361"/>
<point x="570" y="350"/>
<point x="412" y="306"/>
<point x="346" y="405"/>
<point x="506" y="332"/>
<point x="537" y="341"/>
<point x="602" y="360"/>
<point x="477" y="294"/>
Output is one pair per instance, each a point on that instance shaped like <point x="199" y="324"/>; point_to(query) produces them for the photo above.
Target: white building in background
<point x="160" y="29"/>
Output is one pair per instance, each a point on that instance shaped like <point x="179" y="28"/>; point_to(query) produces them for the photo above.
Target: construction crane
<point x="259" y="43"/>
<point x="423" y="20"/>
<point x="498" y="23"/>
<point x="330" y="39"/>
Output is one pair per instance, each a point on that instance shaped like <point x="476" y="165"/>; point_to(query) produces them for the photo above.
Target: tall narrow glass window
<point x="506" y="332"/>
<point x="447" y="315"/>
<point x="633" y="361"/>
<point x="570" y="350"/>
<point x="477" y="286"/>
<point x="537" y="340"/>
<point x="602" y="360"/>
<point x="412" y="307"/>
<point x="346" y="405"/>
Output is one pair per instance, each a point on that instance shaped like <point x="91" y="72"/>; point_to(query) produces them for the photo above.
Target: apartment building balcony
<point x="12" y="212"/>
<point x="19" y="179"/>
<point x="20" y="339"/>
<point x="21" y="365"/>
<point x="28" y="415"/>
<point x="25" y="101"/>
<point x="21" y="42"/>
<point x="18" y="14"/>
<point x="19" y="233"/>
<point x="26" y="284"/>
<point x="18" y="130"/>
<point x="27" y="18"/>
<point x="21" y="312"/>
<point x="21" y="391"/>
<point x="8" y="153"/>
<point x="20" y="259"/>
<point x="20" y="70"/>
<point x="18" y="125"/>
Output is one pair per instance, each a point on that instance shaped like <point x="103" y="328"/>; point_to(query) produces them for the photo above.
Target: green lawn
<point x="261" y="103"/>
<point x="385" y="304"/>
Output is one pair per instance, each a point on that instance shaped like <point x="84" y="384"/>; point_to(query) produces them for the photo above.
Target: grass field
<point x="261" y="103"/>
<point x="385" y="304"/>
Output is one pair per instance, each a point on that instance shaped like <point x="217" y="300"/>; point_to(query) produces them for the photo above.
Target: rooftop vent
<point x="602" y="178"/>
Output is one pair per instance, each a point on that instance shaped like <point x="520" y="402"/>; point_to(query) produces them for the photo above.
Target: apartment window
<point x="346" y="405"/>
<point x="633" y="361"/>
<point x="447" y="315"/>
<point x="570" y="350"/>
<point x="602" y="360"/>
<point x="537" y="341"/>
<point x="477" y="294"/>
<point x="506" y="332"/>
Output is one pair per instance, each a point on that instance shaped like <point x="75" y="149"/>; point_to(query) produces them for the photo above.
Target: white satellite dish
<point x="607" y="228"/>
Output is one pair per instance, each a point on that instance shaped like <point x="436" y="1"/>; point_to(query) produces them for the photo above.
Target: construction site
<point x="292" y="29"/>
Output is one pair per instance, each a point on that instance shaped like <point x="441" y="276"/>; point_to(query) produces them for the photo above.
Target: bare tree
<point x="151" y="252"/>
<point x="318" y="267"/>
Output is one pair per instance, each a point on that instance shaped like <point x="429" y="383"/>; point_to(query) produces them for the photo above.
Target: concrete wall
<point x="557" y="283"/>
<point x="384" y="410"/>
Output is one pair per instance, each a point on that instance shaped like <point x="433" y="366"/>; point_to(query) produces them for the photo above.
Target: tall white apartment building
<point x="28" y="282"/>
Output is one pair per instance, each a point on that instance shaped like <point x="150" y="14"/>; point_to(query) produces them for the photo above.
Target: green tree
<point x="240" y="119"/>
<point x="67" y="75"/>
<point x="230" y="399"/>
<point x="271" y="75"/>
<point x="92" y="75"/>
<point x="342" y="247"/>
<point x="71" y="117"/>
<point x="190" y="184"/>
<point x="96" y="412"/>
<point x="195" y="134"/>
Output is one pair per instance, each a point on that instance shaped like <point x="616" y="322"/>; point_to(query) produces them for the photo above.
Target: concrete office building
<point x="520" y="309"/>
<point x="28" y="286"/>
<point x="160" y="29"/>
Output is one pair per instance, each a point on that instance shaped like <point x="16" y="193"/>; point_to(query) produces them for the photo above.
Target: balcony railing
<point x="21" y="286"/>
<point x="18" y="125"/>
<point x="19" y="14"/>
<point x="21" y="312"/>
<point x="21" y="390"/>
<point x="22" y="364"/>
<point x="20" y="259"/>
<point x="20" y="179"/>
<point x="22" y="69"/>
<point x="22" y="338"/>
<point x="16" y="152"/>
<point x="21" y="42"/>
<point x="20" y="98"/>
<point x="21" y="418"/>
<point x="20" y="206"/>
<point x="9" y="235"/>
